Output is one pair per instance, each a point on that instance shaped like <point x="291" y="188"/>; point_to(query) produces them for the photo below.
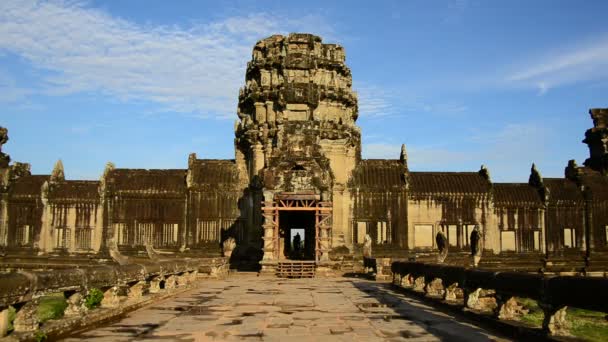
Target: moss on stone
<point x="51" y="307"/>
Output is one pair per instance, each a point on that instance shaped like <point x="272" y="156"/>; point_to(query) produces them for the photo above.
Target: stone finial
<point x="484" y="172"/>
<point x="58" y="174"/>
<point x="109" y="167"/>
<point x="4" y="158"/>
<point x="403" y="154"/>
<point x="3" y="137"/>
<point x="103" y="180"/>
<point x="191" y="159"/>
<point x="572" y="171"/>
<point x="535" y="179"/>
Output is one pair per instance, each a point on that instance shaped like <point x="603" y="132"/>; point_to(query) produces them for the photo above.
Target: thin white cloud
<point x="380" y="102"/>
<point x="196" y="69"/>
<point x="10" y="91"/>
<point x="576" y="63"/>
<point x="381" y="150"/>
<point x="508" y="152"/>
<point x="419" y="157"/>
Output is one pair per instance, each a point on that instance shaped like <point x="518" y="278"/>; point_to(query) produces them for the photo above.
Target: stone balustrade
<point x="496" y="294"/>
<point x="118" y="283"/>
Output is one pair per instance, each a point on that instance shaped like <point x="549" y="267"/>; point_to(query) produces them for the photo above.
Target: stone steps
<point x="296" y="269"/>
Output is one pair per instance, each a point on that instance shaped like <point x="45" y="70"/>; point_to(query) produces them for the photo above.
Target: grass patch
<point x="535" y="314"/>
<point x="51" y="307"/>
<point x="12" y="313"/>
<point x="40" y="336"/>
<point x="588" y="325"/>
<point x="585" y="324"/>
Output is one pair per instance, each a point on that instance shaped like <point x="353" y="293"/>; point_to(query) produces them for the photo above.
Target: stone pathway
<point x="245" y="307"/>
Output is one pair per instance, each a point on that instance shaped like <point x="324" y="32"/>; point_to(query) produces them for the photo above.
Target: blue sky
<point x="144" y="83"/>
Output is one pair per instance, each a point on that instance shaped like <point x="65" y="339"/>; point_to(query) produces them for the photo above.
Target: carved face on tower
<point x="297" y="104"/>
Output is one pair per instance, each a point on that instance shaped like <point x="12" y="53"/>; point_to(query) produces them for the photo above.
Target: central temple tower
<point x="297" y="143"/>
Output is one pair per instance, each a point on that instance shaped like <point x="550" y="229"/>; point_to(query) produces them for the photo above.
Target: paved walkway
<point x="269" y="309"/>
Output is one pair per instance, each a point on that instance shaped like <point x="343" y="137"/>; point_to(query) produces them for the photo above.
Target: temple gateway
<point x="298" y="170"/>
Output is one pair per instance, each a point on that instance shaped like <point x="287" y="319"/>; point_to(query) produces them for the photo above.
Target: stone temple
<point x="298" y="168"/>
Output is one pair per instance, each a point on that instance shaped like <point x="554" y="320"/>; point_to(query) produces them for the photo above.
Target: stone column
<point x="258" y="158"/>
<point x="97" y="233"/>
<point x="3" y="219"/>
<point x="589" y="243"/>
<point x="324" y="237"/>
<point x="269" y="252"/>
<point x="46" y="243"/>
<point x="72" y="228"/>
<point x="260" y="112"/>
<point x="270" y="114"/>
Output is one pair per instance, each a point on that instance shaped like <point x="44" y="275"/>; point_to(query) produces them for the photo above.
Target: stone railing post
<point x="481" y="300"/>
<point x="419" y="284"/>
<point x="75" y="302"/>
<point x="154" y="284"/>
<point x="435" y="288"/>
<point x="137" y="290"/>
<point x="453" y="293"/>
<point x="111" y="297"/>
<point x="171" y="282"/>
<point x="407" y="281"/>
<point x="4" y="322"/>
<point x="554" y="321"/>
<point x="26" y="319"/>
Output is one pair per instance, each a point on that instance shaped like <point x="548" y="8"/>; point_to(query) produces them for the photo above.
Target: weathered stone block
<point x="27" y="317"/>
<point x="75" y="305"/>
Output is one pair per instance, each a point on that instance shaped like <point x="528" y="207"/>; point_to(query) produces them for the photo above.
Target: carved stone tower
<point x="597" y="140"/>
<point x="296" y="137"/>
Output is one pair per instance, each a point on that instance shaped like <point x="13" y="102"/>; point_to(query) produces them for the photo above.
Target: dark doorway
<point x="297" y="234"/>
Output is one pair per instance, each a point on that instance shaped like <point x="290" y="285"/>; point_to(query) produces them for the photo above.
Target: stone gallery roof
<point x="517" y="195"/>
<point x="378" y="174"/>
<point x="448" y="183"/>
<point x="214" y="174"/>
<point x="596" y="183"/>
<point x="74" y="189"/>
<point x="141" y="180"/>
<point x="563" y="190"/>
<point x="28" y="186"/>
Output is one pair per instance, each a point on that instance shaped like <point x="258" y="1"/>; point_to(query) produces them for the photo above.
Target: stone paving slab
<point x="246" y="308"/>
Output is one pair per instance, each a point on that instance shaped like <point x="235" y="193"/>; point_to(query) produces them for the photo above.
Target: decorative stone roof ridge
<point x="379" y="174"/>
<point x="213" y="173"/>
<point x="434" y="182"/>
<point x="30" y="185"/>
<point x="149" y="194"/>
<point x="516" y="194"/>
<point x="563" y="190"/>
<point x="595" y="184"/>
<point x="74" y="190"/>
<point x="147" y="180"/>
